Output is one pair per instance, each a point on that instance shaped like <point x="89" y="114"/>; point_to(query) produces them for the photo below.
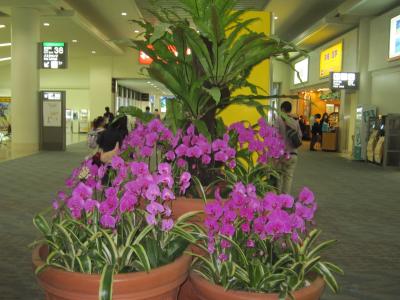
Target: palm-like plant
<point x="223" y="51"/>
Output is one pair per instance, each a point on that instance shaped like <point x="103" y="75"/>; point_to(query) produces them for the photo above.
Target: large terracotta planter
<point x="205" y="290"/>
<point x="183" y="205"/>
<point x="160" y="284"/>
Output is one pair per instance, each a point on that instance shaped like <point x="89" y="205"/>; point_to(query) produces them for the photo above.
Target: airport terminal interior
<point x="277" y="122"/>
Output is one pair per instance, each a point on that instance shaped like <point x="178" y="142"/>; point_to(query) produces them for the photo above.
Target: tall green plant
<point x="223" y="51"/>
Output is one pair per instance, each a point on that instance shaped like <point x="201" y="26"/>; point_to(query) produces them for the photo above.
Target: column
<point x="25" y="35"/>
<point x="364" y="94"/>
<point x="100" y="85"/>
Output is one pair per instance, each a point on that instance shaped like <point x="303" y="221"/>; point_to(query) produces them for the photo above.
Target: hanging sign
<point x="53" y="55"/>
<point x="345" y="80"/>
<point x="331" y="60"/>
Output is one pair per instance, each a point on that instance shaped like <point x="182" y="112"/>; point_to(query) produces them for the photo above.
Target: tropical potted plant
<point x="112" y="235"/>
<point x="205" y="59"/>
<point x="261" y="248"/>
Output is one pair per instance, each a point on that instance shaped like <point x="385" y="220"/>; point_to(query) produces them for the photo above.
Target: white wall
<point x="5" y="80"/>
<point x="385" y="84"/>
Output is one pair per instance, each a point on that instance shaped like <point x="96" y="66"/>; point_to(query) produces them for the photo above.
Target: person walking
<point x="289" y="128"/>
<point x="315" y="132"/>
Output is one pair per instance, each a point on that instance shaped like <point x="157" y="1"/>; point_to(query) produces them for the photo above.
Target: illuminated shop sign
<point x="53" y="55"/>
<point x="394" y="48"/>
<point x="331" y="60"/>
<point x="301" y="71"/>
<point x="345" y="80"/>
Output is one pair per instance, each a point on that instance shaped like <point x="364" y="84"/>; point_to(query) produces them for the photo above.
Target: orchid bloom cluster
<point x="198" y="147"/>
<point x="272" y="217"/>
<point x="130" y="183"/>
<point x="266" y="141"/>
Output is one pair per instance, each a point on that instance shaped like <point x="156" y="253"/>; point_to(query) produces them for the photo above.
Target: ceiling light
<point x="5" y="58"/>
<point x="124" y="14"/>
<point x="137" y="31"/>
<point x="275" y="18"/>
<point x="46" y="24"/>
<point x="149" y="82"/>
<point x="5" y="44"/>
<point x="74" y="41"/>
<point x="93" y="51"/>
<point x="2" y="26"/>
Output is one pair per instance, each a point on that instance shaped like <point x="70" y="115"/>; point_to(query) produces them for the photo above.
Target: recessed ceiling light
<point x="46" y="24"/>
<point x="5" y="44"/>
<point x="5" y="58"/>
<point x="137" y="31"/>
<point x="276" y="18"/>
<point x="149" y="82"/>
<point x="74" y="41"/>
<point x="2" y="26"/>
<point x="124" y="14"/>
<point x="93" y="51"/>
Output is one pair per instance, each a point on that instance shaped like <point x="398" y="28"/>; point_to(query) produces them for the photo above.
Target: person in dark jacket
<point x="316" y="132"/>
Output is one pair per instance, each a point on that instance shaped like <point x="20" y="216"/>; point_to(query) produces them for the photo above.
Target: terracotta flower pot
<point x="183" y="205"/>
<point x="205" y="290"/>
<point x="159" y="284"/>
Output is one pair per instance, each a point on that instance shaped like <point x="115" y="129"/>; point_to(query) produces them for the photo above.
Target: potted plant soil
<point x="261" y="248"/>
<point x="112" y="234"/>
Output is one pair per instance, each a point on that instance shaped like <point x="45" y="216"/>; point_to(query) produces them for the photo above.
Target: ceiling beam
<point x="85" y="24"/>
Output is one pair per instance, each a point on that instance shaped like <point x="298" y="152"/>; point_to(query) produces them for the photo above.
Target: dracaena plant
<point x="205" y="60"/>
<point x="263" y="245"/>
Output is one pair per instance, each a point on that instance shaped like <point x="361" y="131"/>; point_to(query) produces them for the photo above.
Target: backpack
<point x="293" y="137"/>
<point x="92" y="139"/>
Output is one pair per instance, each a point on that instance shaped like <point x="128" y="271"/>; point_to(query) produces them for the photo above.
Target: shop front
<point x="313" y="105"/>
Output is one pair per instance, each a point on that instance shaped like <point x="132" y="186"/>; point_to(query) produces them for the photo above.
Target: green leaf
<point x="159" y="31"/>
<point x="142" y="234"/>
<point x="320" y="248"/>
<point x="215" y="93"/>
<point x="328" y="276"/>
<point x="110" y="247"/>
<point x="200" y="188"/>
<point x="106" y="283"/>
<point x="238" y="249"/>
<point x="142" y="256"/>
<point x="183" y="234"/>
<point x="67" y="240"/>
<point x="187" y="216"/>
<point x="202" y="128"/>
<point x="41" y="224"/>
<point x="39" y="269"/>
<point x="333" y="267"/>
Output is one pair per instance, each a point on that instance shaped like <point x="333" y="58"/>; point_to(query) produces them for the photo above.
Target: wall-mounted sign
<point x="53" y="55"/>
<point x="52" y="95"/>
<point x="331" y="60"/>
<point x="345" y="80"/>
<point x="301" y="71"/>
<point x="394" y="48"/>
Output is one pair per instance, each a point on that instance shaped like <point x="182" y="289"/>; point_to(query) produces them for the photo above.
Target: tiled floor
<point x="359" y="204"/>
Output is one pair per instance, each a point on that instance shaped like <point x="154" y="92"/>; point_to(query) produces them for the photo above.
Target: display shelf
<point x="391" y="151"/>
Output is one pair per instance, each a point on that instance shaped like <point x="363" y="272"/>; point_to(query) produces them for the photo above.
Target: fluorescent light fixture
<point x="46" y="24"/>
<point x="5" y="44"/>
<point x="74" y="41"/>
<point x="93" y="51"/>
<point x="5" y="58"/>
<point x="124" y="14"/>
<point x="136" y="31"/>
<point x="2" y="26"/>
<point x="149" y="82"/>
<point x="276" y="18"/>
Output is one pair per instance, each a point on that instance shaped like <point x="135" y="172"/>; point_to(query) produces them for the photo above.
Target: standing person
<point x="157" y="113"/>
<point x="289" y="128"/>
<point x="98" y="126"/>
<point x="147" y="112"/>
<point x="108" y="115"/>
<point x="315" y="132"/>
<point x="324" y="123"/>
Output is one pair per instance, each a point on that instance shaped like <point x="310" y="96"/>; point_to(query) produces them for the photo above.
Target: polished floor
<point x="359" y="204"/>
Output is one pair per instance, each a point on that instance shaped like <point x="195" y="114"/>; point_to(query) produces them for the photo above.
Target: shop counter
<point x="329" y="141"/>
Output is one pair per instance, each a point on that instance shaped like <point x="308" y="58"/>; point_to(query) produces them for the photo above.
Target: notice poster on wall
<point x="394" y="49"/>
<point x="331" y="60"/>
<point x="52" y="113"/>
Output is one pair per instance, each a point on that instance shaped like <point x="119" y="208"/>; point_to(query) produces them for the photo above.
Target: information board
<point x="331" y="60"/>
<point x="301" y="71"/>
<point x="345" y="80"/>
<point x="53" y="55"/>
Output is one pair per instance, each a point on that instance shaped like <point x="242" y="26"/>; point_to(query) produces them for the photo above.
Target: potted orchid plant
<point x="261" y="248"/>
<point x="112" y="233"/>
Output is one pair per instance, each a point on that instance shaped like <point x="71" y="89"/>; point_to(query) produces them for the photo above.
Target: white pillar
<point x="364" y="93"/>
<point x="25" y="34"/>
